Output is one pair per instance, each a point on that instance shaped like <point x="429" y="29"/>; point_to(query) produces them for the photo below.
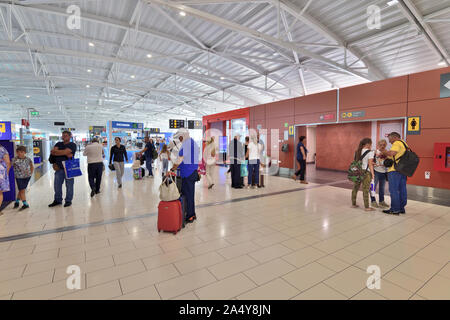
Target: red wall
<point x="412" y="95"/>
<point x="336" y="144"/>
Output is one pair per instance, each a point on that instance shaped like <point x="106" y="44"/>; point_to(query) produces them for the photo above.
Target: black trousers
<point x="301" y="172"/>
<point x="236" y="179"/>
<point x="95" y="171"/>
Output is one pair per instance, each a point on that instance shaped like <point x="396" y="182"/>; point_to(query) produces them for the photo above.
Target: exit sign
<point x="34" y="113"/>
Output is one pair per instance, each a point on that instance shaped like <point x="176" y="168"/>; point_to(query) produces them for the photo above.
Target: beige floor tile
<point x="417" y="297"/>
<point x="435" y="253"/>
<point x="108" y="251"/>
<point x="86" y="267"/>
<point x="294" y="244"/>
<point x="333" y="263"/>
<point x="133" y="255"/>
<point x="270" y="239"/>
<point x="270" y="253"/>
<point x="347" y="256"/>
<point x="185" y="283"/>
<point x="186" y="296"/>
<point x="304" y="256"/>
<point x="102" y="292"/>
<point x="364" y="247"/>
<point x="59" y="244"/>
<point x="48" y="291"/>
<point x="277" y="289"/>
<point x="166" y="258"/>
<point x="392" y="291"/>
<point x="385" y="263"/>
<point x="14" y="253"/>
<point x="400" y="250"/>
<point x="208" y="246"/>
<point x="349" y="281"/>
<point x="24" y="283"/>
<point x="419" y="268"/>
<point x="179" y="244"/>
<point x="331" y="245"/>
<point x="438" y="288"/>
<point x="148" y="278"/>
<point x="148" y="293"/>
<point x="269" y="271"/>
<point x="308" y="239"/>
<point x="103" y="243"/>
<point x="445" y="272"/>
<point x="31" y="258"/>
<point x="107" y="275"/>
<point x="308" y="276"/>
<point x="229" y="267"/>
<point x="367" y="294"/>
<point x="198" y="262"/>
<point x="243" y="236"/>
<point x="226" y="289"/>
<point x="75" y="259"/>
<point x="238" y="250"/>
<point x="6" y="297"/>
<point x="13" y="273"/>
<point x="403" y="280"/>
<point x="320" y="292"/>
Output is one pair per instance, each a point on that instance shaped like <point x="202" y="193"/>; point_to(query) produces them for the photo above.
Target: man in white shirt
<point x="95" y="155"/>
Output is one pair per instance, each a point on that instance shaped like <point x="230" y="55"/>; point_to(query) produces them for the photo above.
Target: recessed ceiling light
<point x="182" y="13"/>
<point x="149" y="55"/>
<point x="392" y="2"/>
<point x="132" y="76"/>
<point x="221" y="78"/>
<point x="88" y="86"/>
<point x="442" y="63"/>
<point x="89" y="70"/>
<point x="91" y="44"/>
<point x="28" y="97"/>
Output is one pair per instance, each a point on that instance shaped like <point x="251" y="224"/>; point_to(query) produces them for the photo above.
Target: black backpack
<point x="407" y="163"/>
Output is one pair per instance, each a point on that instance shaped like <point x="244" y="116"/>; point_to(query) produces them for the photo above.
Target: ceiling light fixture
<point x="442" y="63"/>
<point x="221" y="78"/>
<point x="392" y="3"/>
<point x="132" y="76"/>
<point x="149" y="56"/>
<point x="88" y="86"/>
<point x="91" y="44"/>
<point x="89" y="70"/>
<point x="28" y="97"/>
<point x="182" y="13"/>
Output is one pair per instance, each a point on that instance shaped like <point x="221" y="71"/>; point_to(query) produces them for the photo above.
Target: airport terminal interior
<point x="225" y="150"/>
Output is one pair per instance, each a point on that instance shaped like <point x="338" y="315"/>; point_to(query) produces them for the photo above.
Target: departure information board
<point x="195" y="124"/>
<point x="176" y="124"/>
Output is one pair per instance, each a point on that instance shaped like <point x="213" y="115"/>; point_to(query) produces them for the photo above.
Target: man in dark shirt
<point x="63" y="151"/>
<point x="148" y="153"/>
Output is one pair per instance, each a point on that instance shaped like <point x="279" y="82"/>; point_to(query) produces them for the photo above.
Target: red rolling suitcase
<point x="170" y="216"/>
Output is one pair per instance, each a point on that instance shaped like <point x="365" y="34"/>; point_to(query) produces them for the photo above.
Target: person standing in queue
<point x="364" y="154"/>
<point x="148" y="154"/>
<point x="95" y="155"/>
<point x="187" y="164"/>
<point x="63" y="151"/>
<point x="210" y="151"/>
<point x="301" y="160"/>
<point x="397" y="181"/>
<point x="118" y="154"/>
<point x="236" y="156"/>
<point x="5" y="166"/>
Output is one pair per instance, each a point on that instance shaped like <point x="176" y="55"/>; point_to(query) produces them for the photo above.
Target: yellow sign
<point x="3" y="127"/>
<point x="36" y="150"/>
<point x="414" y="124"/>
<point x="291" y="130"/>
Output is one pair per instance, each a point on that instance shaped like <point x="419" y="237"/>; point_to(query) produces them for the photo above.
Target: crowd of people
<point x="183" y="152"/>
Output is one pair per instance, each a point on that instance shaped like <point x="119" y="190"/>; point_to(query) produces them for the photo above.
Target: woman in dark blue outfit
<point x="301" y="160"/>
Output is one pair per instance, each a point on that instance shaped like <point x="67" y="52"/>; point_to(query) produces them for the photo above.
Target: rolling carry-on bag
<point x="170" y="216"/>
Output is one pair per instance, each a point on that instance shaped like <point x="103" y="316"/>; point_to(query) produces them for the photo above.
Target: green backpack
<point x="356" y="172"/>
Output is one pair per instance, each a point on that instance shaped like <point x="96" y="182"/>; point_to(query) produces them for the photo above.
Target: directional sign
<point x="445" y="85"/>
<point x="176" y="124"/>
<point x="195" y="124"/>
<point x="291" y="130"/>
<point x="414" y="124"/>
<point x="353" y="114"/>
<point x="34" y="113"/>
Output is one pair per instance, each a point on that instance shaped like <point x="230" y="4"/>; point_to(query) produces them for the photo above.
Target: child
<point x="164" y="157"/>
<point x="380" y="175"/>
<point x="23" y="170"/>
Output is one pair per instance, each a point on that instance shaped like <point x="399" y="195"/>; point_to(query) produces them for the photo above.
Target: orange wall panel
<point x="324" y="102"/>
<point x="437" y="179"/>
<point x="389" y="91"/>
<point x="259" y="112"/>
<point x="423" y="144"/>
<point x="284" y="108"/>
<point x="336" y="144"/>
<point x="312" y="118"/>
<point x="425" y="85"/>
<point x="435" y="113"/>
<point x="379" y="112"/>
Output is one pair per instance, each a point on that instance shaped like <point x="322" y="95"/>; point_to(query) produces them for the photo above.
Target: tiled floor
<point x="307" y="244"/>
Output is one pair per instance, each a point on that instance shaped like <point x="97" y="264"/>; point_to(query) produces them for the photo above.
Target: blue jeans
<point x="188" y="191"/>
<point x="60" y="178"/>
<point x="148" y="165"/>
<point x="380" y="178"/>
<point x="397" y="189"/>
<point x="253" y="169"/>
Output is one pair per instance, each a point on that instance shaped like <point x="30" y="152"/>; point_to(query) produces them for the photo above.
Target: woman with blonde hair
<point x="380" y="178"/>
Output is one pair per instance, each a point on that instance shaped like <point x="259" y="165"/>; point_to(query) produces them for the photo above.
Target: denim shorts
<point x="22" y="184"/>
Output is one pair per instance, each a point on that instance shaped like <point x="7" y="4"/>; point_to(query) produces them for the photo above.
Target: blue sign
<point x="127" y="125"/>
<point x="5" y="130"/>
<point x="223" y="144"/>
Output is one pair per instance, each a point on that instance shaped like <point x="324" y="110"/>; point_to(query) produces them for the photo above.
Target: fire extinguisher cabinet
<point x="442" y="156"/>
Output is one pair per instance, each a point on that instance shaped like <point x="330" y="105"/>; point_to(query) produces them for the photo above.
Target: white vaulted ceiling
<point x="141" y="60"/>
